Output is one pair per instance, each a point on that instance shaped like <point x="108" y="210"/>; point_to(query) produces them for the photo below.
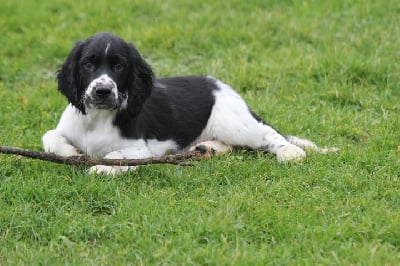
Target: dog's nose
<point x="102" y="90"/>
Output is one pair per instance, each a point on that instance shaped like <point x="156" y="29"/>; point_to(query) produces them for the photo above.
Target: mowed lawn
<point x="325" y="70"/>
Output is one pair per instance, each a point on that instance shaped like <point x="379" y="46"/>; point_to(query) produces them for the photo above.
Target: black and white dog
<point x="118" y="110"/>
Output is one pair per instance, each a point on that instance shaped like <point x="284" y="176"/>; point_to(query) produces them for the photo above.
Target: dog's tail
<point x="309" y="145"/>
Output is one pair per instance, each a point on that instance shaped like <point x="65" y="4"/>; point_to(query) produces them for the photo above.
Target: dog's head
<point x="105" y="72"/>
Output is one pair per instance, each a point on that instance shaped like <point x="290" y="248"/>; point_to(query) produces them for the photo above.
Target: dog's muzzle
<point x="102" y="93"/>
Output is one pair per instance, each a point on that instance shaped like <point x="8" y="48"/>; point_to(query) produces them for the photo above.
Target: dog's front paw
<point x="109" y="170"/>
<point x="56" y="143"/>
<point x="69" y="150"/>
<point x="290" y="152"/>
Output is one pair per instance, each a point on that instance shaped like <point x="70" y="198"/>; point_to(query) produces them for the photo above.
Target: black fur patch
<point x="178" y="109"/>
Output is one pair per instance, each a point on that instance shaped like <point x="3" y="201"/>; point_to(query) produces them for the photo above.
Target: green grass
<point x="325" y="70"/>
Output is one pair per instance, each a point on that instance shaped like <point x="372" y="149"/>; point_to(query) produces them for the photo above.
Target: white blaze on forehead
<point x="107" y="47"/>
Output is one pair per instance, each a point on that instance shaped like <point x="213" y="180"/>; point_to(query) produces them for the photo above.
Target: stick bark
<point x="177" y="159"/>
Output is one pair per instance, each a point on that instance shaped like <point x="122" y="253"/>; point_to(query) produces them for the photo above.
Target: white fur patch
<point x="56" y="143"/>
<point x="290" y="152"/>
<point x="109" y="170"/>
<point x="107" y="47"/>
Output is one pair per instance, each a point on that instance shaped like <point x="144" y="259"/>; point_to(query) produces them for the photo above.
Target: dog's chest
<point x="103" y="140"/>
<point x="98" y="139"/>
<point x="94" y="134"/>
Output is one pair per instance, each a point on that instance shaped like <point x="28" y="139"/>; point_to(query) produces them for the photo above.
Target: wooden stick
<point x="178" y="159"/>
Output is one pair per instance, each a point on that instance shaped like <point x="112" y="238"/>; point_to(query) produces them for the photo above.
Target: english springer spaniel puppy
<point x="117" y="110"/>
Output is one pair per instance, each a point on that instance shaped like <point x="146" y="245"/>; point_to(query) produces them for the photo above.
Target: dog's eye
<point x="89" y="66"/>
<point x="118" y="67"/>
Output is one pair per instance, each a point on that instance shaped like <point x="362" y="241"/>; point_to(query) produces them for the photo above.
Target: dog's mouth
<point x="105" y="103"/>
<point x="101" y="105"/>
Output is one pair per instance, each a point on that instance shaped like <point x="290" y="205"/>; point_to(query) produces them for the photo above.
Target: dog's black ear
<point x="141" y="81"/>
<point x="69" y="81"/>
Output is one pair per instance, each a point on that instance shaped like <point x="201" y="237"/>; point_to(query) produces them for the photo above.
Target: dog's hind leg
<point x="232" y="123"/>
